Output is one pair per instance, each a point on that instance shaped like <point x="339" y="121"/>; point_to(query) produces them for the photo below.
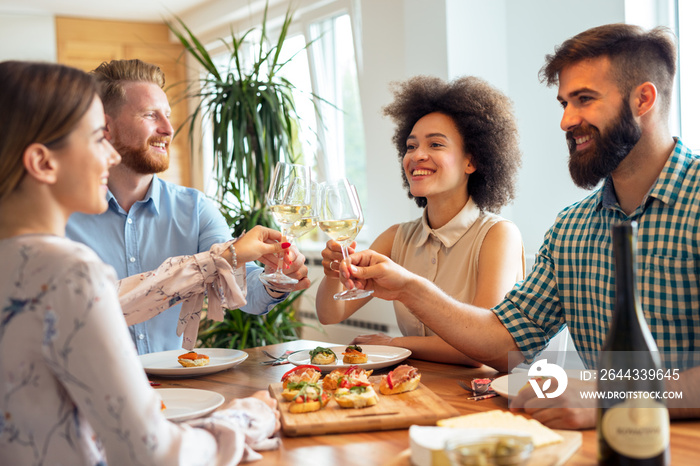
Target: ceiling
<point x="125" y="10"/>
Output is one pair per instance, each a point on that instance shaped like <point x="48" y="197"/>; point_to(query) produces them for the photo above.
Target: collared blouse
<point x="447" y="256"/>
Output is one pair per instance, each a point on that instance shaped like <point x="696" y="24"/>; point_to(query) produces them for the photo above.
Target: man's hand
<point x="370" y="270"/>
<point x="567" y="411"/>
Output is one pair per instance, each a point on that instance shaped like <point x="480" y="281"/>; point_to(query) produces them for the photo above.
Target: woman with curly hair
<point x="458" y="147"/>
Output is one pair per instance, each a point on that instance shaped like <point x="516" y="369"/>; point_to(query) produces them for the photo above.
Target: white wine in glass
<point x="309" y="216"/>
<point x="289" y="196"/>
<point x="340" y="217"/>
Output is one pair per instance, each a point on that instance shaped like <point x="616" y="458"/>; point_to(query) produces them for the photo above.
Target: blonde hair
<point x="41" y="103"/>
<point x="111" y="77"/>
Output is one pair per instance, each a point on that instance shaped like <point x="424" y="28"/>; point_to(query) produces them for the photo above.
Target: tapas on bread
<point x="193" y="359"/>
<point x="357" y="396"/>
<point x="353" y="355"/>
<point x="402" y="379"/>
<point x="345" y="378"/>
<point x="378" y="357"/>
<point x="166" y="364"/>
<point x="322" y="356"/>
<point x="305" y="373"/>
<point x="305" y="397"/>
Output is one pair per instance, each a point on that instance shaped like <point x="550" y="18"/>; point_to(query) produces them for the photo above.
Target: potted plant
<point x="251" y="113"/>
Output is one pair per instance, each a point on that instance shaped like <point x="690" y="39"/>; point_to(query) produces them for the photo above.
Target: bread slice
<point x="402" y="387"/>
<point x="289" y="394"/>
<point x="307" y="407"/>
<point x="353" y="355"/>
<point x="193" y="359"/>
<point x="323" y="359"/>
<point x="355" y="358"/>
<point x="302" y="374"/>
<point x="348" y="399"/>
<point x="330" y="381"/>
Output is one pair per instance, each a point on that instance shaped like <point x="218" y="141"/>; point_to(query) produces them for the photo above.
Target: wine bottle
<point x="633" y="422"/>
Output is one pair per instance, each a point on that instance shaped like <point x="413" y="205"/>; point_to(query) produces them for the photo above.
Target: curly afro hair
<point x="484" y="117"/>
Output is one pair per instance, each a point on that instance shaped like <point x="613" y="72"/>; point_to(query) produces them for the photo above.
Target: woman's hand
<point x="294" y="266"/>
<point x="256" y="243"/>
<point x="332" y="257"/>
<point x="373" y="339"/>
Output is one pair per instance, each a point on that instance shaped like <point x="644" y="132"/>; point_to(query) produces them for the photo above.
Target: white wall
<point x="535" y="27"/>
<point x="387" y="29"/>
<point x="27" y="37"/>
<point x="477" y="44"/>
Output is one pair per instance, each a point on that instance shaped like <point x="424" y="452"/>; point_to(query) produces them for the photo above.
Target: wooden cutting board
<point x="420" y="407"/>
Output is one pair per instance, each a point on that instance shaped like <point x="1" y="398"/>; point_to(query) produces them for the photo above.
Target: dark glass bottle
<point x="633" y="422"/>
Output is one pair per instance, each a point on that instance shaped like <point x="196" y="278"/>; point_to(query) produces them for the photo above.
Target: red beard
<point x="141" y="160"/>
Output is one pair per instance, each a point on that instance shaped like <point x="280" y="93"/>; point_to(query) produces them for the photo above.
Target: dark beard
<point x="140" y="161"/>
<point x="603" y="156"/>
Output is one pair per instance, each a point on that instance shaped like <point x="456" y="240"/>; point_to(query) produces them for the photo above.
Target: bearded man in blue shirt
<point x="150" y="220"/>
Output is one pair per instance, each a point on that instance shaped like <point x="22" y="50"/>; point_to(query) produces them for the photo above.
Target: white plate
<point x="509" y="385"/>
<point x="377" y="357"/>
<point x="188" y="403"/>
<point x="165" y="363"/>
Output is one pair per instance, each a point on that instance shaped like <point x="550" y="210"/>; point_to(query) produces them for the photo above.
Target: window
<point x="688" y="14"/>
<point x="335" y="72"/>
<point x="649" y="14"/>
<point x="332" y="128"/>
<point x="680" y="16"/>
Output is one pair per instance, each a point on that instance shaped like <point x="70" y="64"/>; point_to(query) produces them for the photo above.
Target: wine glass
<point x="289" y="196"/>
<point x="309" y="216"/>
<point x="340" y="217"/>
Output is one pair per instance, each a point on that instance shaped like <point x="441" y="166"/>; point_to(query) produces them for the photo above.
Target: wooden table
<point x="389" y="447"/>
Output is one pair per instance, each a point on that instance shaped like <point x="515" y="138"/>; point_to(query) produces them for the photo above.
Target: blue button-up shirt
<point x="573" y="280"/>
<point x="170" y="221"/>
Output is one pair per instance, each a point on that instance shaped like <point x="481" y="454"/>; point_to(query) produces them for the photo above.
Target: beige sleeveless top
<point x="448" y="256"/>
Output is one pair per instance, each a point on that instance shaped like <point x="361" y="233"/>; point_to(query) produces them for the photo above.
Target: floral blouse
<point x="72" y="390"/>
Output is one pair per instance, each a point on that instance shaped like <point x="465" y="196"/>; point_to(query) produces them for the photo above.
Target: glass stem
<point x="344" y="250"/>
<point x="280" y="261"/>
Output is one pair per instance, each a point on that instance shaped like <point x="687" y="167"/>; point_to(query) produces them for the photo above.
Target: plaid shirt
<point x="573" y="279"/>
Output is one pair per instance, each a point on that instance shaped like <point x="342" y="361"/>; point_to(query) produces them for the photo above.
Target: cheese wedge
<point x="496" y="419"/>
